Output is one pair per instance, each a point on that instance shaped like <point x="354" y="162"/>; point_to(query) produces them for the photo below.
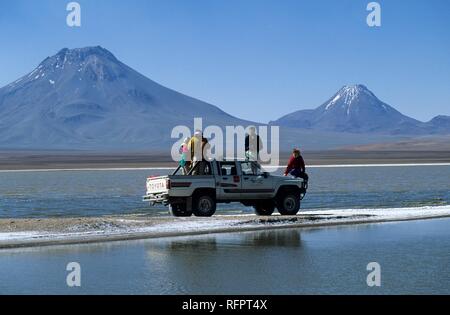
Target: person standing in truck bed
<point x="253" y="145"/>
<point x="185" y="161"/>
<point x="198" y="147"/>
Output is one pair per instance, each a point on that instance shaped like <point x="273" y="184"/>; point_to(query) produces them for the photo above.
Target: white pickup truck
<point x="225" y="182"/>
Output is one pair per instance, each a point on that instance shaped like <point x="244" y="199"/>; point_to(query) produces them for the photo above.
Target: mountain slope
<point x="86" y="98"/>
<point x="438" y="125"/>
<point x="355" y="109"/>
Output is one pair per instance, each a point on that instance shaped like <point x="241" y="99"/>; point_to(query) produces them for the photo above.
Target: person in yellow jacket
<point x="194" y="147"/>
<point x="198" y="147"/>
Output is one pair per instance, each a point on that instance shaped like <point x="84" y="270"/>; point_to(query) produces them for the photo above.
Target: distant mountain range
<point x="355" y="109"/>
<point x="87" y="99"/>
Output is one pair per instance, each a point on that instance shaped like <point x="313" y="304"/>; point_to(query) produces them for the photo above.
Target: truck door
<point x="228" y="182"/>
<point x="255" y="183"/>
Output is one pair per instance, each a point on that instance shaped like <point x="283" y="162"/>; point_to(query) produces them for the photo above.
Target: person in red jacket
<point x="296" y="166"/>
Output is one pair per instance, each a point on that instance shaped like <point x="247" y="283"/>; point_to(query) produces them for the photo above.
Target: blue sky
<point x="256" y="59"/>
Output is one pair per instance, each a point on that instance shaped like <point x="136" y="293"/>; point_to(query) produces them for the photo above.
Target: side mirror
<point x="266" y="175"/>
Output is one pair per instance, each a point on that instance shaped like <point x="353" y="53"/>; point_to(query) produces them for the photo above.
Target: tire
<point x="264" y="208"/>
<point x="288" y="203"/>
<point x="179" y="210"/>
<point x="204" y="206"/>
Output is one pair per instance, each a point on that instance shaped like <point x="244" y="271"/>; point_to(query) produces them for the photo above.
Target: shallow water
<point x="413" y="256"/>
<point x="93" y="193"/>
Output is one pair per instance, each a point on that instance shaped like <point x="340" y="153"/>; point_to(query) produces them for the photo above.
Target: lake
<point x="414" y="258"/>
<point x="94" y="193"/>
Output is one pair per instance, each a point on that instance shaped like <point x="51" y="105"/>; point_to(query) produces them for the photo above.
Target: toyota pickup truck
<point x="199" y="191"/>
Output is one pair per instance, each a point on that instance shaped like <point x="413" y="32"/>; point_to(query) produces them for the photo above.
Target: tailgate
<point x="157" y="185"/>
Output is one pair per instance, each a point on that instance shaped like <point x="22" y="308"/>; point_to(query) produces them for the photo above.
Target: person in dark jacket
<point x="253" y="145"/>
<point x="296" y="166"/>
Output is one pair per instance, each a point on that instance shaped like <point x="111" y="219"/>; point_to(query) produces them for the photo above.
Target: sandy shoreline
<point x="57" y="231"/>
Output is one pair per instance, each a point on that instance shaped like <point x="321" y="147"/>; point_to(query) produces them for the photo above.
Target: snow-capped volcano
<point x="87" y="98"/>
<point x="355" y="109"/>
<point x="351" y="95"/>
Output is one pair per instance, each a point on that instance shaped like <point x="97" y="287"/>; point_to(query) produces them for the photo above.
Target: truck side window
<point x="202" y="168"/>
<point x="208" y="169"/>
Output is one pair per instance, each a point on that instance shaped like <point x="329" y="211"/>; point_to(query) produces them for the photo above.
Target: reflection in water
<point x="72" y="249"/>
<point x="220" y="261"/>
<point x="267" y="238"/>
<point x="208" y="244"/>
<point x="280" y="238"/>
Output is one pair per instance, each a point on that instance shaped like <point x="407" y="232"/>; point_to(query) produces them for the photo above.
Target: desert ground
<point x="22" y="160"/>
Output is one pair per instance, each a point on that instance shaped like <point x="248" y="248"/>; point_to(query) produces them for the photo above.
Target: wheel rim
<point x="204" y="205"/>
<point x="289" y="203"/>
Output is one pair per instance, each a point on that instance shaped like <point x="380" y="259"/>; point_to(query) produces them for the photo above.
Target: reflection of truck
<point x="224" y="182"/>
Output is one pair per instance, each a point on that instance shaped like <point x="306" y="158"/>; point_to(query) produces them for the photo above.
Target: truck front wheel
<point x="204" y="206"/>
<point x="264" y="208"/>
<point x="288" y="203"/>
<point x="179" y="210"/>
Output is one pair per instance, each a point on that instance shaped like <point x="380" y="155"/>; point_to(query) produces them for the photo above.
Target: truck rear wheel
<point x="204" y="206"/>
<point x="288" y="203"/>
<point x="179" y="210"/>
<point x="264" y="208"/>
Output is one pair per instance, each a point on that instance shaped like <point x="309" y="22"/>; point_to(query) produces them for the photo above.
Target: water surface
<point x="414" y="258"/>
<point x="93" y="193"/>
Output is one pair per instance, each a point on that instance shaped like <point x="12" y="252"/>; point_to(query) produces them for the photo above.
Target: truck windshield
<point x="251" y="168"/>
